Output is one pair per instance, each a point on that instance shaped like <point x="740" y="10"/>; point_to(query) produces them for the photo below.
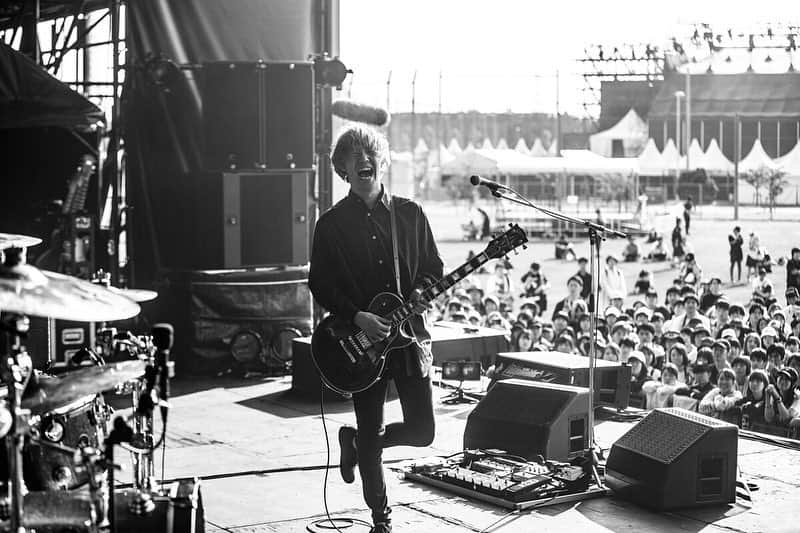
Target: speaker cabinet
<point x="244" y="220"/>
<point x="612" y="381"/>
<point x="675" y="458"/>
<point x="528" y="418"/>
<point x="258" y="115"/>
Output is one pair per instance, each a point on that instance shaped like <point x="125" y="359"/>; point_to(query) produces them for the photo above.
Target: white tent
<point x="521" y="147"/>
<point x="552" y="150"/>
<point x="716" y="160"/>
<point x="756" y="159"/>
<point x="488" y="162"/>
<point x="670" y="156"/>
<point x="454" y="148"/>
<point x="502" y="144"/>
<point x="487" y="144"/>
<point x="697" y="157"/>
<point x="537" y="150"/>
<point x="790" y="163"/>
<point x="470" y="147"/>
<point x="445" y="155"/>
<point x="422" y="147"/>
<point x="650" y="161"/>
<point x="631" y="131"/>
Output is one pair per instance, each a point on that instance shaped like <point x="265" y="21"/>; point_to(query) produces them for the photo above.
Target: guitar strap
<point x="393" y="224"/>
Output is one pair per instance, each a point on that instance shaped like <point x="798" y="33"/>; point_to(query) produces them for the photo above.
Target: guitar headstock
<point x="87" y="166"/>
<point x="514" y="237"/>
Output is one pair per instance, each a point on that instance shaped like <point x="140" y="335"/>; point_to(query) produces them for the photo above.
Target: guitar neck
<point x="402" y="313"/>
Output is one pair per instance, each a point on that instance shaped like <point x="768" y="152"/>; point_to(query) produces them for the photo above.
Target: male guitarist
<point x="351" y="262"/>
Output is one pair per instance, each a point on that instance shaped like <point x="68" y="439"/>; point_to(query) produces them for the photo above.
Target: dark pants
<point x="416" y="429"/>
<point x="687" y="219"/>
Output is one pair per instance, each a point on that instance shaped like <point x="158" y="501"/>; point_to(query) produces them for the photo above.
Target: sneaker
<point x="349" y="457"/>
<point x="381" y="527"/>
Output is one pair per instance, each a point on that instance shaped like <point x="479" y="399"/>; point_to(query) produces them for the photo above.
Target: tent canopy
<point x="511" y="162"/>
<point x="756" y="159"/>
<point x="650" y="160"/>
<point x="32" y="98"/>
<point x="631" y="130"/>
<point x="790" y="163"/>
<point x="716" y="160"/>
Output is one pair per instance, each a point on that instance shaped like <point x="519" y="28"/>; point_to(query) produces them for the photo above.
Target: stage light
<point x="768" y="59"/>
<point x="161" y="70"/>
<point x="330" y="71"/>
<point x="728" y="59"/>
<point x="461" y="370"/>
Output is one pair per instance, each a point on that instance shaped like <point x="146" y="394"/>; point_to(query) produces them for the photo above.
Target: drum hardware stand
<point x="122" y="432"/>
<point x="12" y="372"/>
<point x="596" y="233"/>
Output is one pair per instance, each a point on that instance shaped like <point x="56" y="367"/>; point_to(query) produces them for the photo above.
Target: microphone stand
<point x="596" y="233"/>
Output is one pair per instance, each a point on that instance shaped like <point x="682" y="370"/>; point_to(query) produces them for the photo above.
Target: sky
<point x="503" y="55"/>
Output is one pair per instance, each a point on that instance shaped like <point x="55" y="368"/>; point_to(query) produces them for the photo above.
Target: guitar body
<point x="345" y="359"/>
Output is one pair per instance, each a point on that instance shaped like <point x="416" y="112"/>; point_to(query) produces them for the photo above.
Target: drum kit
<point x="57" y="472"/>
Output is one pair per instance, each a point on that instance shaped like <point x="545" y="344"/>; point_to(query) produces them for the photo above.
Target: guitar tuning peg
<point x="524" y="246"/>
<point x="510" y="225"/>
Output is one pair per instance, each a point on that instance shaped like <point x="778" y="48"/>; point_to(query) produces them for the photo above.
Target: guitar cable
<point x="330" y="523"/>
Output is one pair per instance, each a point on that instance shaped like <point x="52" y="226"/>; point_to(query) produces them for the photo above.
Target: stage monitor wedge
<point x="674" y="458"/>
<point x="528" y="418"/>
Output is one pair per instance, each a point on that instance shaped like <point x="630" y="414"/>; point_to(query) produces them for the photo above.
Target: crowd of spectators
<point x="688" y="345"/>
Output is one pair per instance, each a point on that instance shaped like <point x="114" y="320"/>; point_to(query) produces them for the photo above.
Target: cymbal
<point x="26" y="290"/>
<point x="137" y="295"/>
<point x="8" y="240"/>
<point x="51" y="392"/>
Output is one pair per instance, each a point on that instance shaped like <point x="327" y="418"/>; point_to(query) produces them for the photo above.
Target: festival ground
<point x="261" y="451"/>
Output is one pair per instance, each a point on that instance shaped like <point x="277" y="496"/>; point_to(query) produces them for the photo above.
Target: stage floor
<point x="260" y="449"/>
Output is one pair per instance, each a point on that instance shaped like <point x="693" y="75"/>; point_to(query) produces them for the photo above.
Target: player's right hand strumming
<point x="376" y="327"/>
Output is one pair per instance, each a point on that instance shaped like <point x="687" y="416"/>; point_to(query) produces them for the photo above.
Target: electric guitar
<point x="348" y="362"/>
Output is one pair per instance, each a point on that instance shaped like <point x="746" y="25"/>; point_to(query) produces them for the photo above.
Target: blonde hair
<point x="355" y="136"/>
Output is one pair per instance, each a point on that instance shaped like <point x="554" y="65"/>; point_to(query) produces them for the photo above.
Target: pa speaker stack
<point x="673" y="459"/>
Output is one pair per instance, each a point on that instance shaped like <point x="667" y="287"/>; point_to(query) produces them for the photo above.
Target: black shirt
<point x="351" y="259"/>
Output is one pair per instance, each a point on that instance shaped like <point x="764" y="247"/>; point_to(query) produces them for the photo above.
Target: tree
<point x="615" y="186"/>
<point x="772" y="179"/>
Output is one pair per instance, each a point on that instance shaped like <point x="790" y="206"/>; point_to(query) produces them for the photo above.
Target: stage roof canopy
<point x="726" y="95"/>
<point x="30" y="97"/>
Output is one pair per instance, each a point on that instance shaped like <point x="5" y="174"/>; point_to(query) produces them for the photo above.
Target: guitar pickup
<point x="346" y="349"/>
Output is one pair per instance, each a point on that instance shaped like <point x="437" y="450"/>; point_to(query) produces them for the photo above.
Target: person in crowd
<point x="524" y="341"/>
<point x="776" y="353"/>
<point x="710" y="298"/>
<point x="793" y="270"/>
<point x="701" y="382"/>
<point x="783" y="400"/>
<point x="678" y="243"/>
<point x="721" y="348"/>
<point x="535" y="286"/>
<point x="768" y="337"/>
<point x="569" y="304"/>
<point x="736" y="241"/>
<point x="755" y="314"/>
<point x="660" y="394"/>
<point x="741" y="368"/>
<point x="476" y="299"/>
<point x="565" y="343"/>
<point x="692" y="312"/>
<point x="639" y="371"/>
<point x="755" y="255"/>
<point x="793" y="361"/>
<point x="612" y="283"/>
<point x="758" y="359"/>
<point x="651" y="298"/>
<point x="792" y="304"/>
<point x="644" y="282"/>
<point x="680" y="359"/>
<point x="586" y="278"/>
<point x="751" y="341"/>
<point x="763" y="287"/>
<point x="722" y="319"/>
<point x="658" y="252"/>
<point x="564" y="248"/>
<point x="720" y="402"/>
<point x="706" y="357"/>
<point x="688" y="205"/>
<point x="631" y="252"/>
<point x="496" y="321"/>
<point x="584" y="324"/>
<point x="690" y="273"/>
<point x="753" y="404"/>
<point x="627" y="345"/>
<point x="736" y="348"/>
<point x="500" y="284"/>
<point x="612" y="352"/>
<point x="548" y="333"/>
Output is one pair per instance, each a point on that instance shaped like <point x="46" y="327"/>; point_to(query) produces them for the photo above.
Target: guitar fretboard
<point x="402" y="313"/>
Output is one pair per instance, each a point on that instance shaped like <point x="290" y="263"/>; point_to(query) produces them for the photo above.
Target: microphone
<point x="349" y="110"/>
<point x="489" y="184"/>
<point x="163" y="335"/>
